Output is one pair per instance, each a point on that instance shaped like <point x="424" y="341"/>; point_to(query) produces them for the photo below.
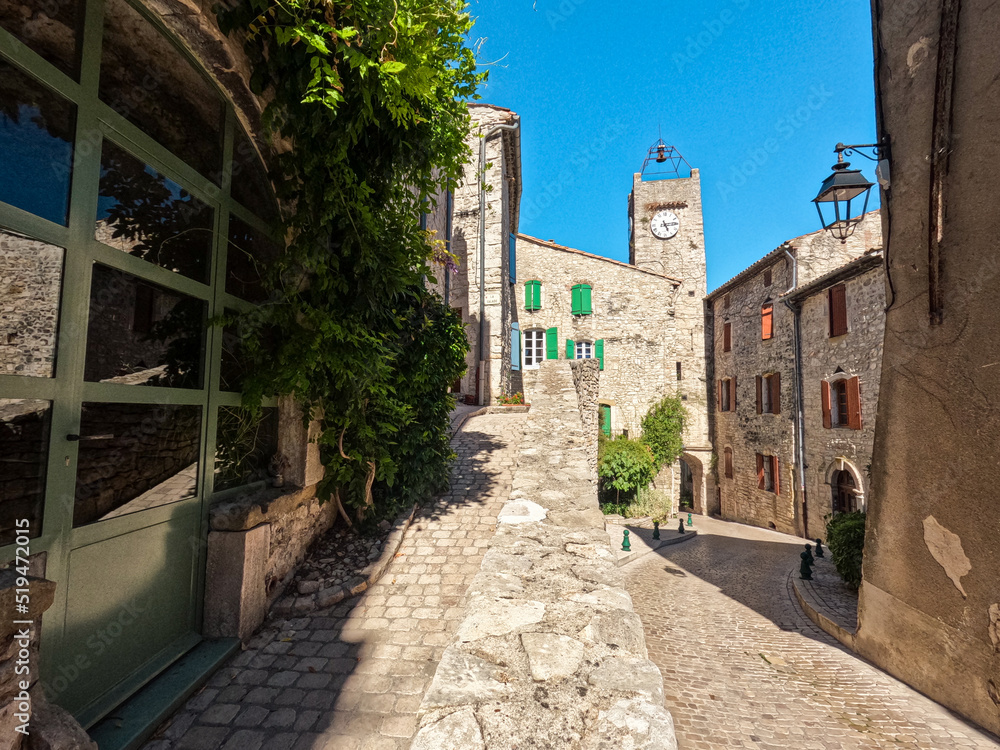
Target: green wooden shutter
<point x="606" y="419"/>
<point x="570" y="349"/>
<point x="585" y="299"/>
<point x="536" y="296"/>
<point x="528" y="286"/>
<point x="552" y="344"/>
<point x="599" y="351"/>
<point x="577" y="298"/>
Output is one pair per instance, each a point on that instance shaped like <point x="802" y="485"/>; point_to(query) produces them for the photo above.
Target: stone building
<point x="929" y="608"/>
<point x="752" y="335"/>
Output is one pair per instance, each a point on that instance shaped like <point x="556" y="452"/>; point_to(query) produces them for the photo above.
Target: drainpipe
<point x="800" y="426"/>
<point x="447" y="245"/>
<point x="481" y="354"/>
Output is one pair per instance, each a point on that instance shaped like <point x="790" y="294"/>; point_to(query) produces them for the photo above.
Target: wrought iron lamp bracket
<point x="879" y="150"/>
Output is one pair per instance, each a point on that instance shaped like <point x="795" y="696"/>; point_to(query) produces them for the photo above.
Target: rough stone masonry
<point x="550" y="653"/>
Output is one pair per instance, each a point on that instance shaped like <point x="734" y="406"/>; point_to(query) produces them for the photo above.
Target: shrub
<point x="663" y="430"/>
<point x="626" y="465"/>
<point x="845" y="537"/>
<point x="651" y="502"/>
<point x="515" y="399"/>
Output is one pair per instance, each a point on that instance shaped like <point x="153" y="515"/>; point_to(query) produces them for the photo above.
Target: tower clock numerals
<point x="665" y="225"/>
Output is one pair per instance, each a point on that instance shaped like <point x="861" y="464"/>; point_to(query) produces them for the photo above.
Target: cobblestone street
<point x="744" y="668"/>
<point x="351" y="677"/>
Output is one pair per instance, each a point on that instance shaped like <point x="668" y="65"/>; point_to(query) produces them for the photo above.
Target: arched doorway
<point x="686" y="493"/>
<point x="845" y="492"/>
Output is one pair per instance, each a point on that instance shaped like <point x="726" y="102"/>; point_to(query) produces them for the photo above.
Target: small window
<point x="767" y="321"/>
<point x="581" y="299"/>
<point x="769" y="393"/>
<point x="838" y="310"/>
<point x="727" y="394"/>
<point x="584" y="350"/>
<point x="534" y="348"/>
<point x="533" y="295"/>
<point x="767" y="277"/>
<point x="727" y="337"/>
<point x="768" y="475"/>
<point x="729" y="463"/>
<point x="842" y="403"/>
<point x="679" y="371"/>
<point x="838" y="410"/>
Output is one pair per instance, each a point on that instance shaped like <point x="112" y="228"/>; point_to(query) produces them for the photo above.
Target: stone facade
<point x="929" y="610"/>
<point x="30" y="281"/>
<point x="739" y="304"/>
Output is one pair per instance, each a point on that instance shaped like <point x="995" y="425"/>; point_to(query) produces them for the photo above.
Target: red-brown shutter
<point x="775" y="382"/>
<point x="729" y="463"/>
<point x="760" y="472"/>
<point x="776" y="474"/>
<point x="732" y="394"/>
<point x="727" y="337"/>
<point x="825" y="390"/>
<point x="760" y="401"/>
<point x="766" y="323"/>
<point x="718" y="400"/>
<point x="838" y="310"/>
<point x="854" y="404"/>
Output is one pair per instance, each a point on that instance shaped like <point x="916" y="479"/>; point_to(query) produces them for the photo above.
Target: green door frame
<point x="66" y="391"/>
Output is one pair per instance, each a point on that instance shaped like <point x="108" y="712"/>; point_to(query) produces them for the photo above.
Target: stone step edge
<point x="846" y="637"/>
<point x="365" y="579"/>
<point x="512" y="409"/>
<point x="632" y="556"/>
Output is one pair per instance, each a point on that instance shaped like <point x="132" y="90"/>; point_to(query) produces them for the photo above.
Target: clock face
<point x="665" y="225"/>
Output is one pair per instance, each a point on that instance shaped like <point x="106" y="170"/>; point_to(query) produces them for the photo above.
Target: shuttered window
<point x="769" y="393"/>
<point x="841" y="403"/>
<point x="552" y="343"/>
<point x="727" y="337"/>
<point x="727" y="394"/>
<point x="581" y="299"/>
<point x="838" y="310"/>
<point x="768" y="474"/>
<point x="599" y="352"/>
<point x="767" y="321"/>
<point x="533" y="295"/>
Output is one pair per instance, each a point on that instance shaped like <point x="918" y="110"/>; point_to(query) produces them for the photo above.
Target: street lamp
<point x="843" y="188"/>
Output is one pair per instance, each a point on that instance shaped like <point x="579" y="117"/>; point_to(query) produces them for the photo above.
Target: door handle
<point x="74" y="438"/>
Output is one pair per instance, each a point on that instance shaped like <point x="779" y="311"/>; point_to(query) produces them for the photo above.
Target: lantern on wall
<point x="843" y="191"/>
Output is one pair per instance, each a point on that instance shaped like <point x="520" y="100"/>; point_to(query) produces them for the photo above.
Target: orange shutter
<point x="776" y="474"/>
<point x="776" y="393"/>
<point x="760" y="400"/>
<point x="825" y="389"/>
<point x="760" y="472"/>
<point x="854" y="404"/>
<point x="766" y="328"/>
<point x="732" y="394"/>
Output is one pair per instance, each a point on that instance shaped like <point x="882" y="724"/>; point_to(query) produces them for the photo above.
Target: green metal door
<point x="123" y="233"/>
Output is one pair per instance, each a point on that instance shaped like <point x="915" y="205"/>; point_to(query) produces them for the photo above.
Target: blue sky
<point x="753" y="94"/>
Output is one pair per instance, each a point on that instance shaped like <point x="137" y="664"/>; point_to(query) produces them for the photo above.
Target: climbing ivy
<point x="369" y="97"/>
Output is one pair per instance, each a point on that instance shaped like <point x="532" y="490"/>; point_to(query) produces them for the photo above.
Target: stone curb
<point x="365" y="579"/>
<point x="663" y="543"/>
<point x="843" y="635"/>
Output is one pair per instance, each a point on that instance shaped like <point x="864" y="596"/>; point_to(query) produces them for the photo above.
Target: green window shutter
<point x="606" y="419"/>
<point x="527" y="295"/>
<point x="577" y="296"/>
<point x="536" y="296"/>
<point x="570" y="349"/>
<point x="552" y="344"/>
<point x="599" y="351"/>
<point x="585" y="299"/>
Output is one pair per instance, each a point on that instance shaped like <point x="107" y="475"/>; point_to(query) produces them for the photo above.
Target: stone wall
<point x="858" y="353"/>
<point x="550" y="653"/>
<point x="587" y="380"/>
<point x="30" y="282"/>
<point x="741" y="429"/>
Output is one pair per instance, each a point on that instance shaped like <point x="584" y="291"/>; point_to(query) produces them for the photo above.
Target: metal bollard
<point x="690" y="522"/>
<point x="656" y="529"/>
<point x="626" y="547"/>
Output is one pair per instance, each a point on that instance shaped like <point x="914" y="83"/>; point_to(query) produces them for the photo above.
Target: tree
<point x="663" y="430"/>
<point x="626" y="464"/>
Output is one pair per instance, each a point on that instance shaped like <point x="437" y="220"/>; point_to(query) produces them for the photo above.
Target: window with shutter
<point x="839" y="413"/>
<point x="838" y="310"/>
<point x="760" y="472"/>
<point x="599" y="352"/>
<point x="775" y="383"/>
<point x="533" y="295"/>
<point x="725" y="394"/>
<point x="552" y="343"/>
<point x="825" y="397"/>
<point x="581" y="299"/>
<point x="760" y="395"/>
<point x="767" y="321"/>
<point x="727" y="337"/>
<point x="732" y="393"/>
<point x="853" y="388"/>
<point x="576" y="299"/>
<point x="729" y="463"/>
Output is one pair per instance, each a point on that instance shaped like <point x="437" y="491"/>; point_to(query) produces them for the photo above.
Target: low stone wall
<point x="587" y="379"/>
<point x="550" y="653"/>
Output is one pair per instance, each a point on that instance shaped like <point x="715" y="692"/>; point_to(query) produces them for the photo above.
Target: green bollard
<point x="626" y="547"/>
<point x="690" y="523"/>
<point x="656" y="529"/>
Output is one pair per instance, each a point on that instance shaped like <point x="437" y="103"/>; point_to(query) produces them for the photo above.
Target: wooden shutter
<point x="718" y="397"/>
<point x="854" y="404"/>
<point x="536" y="296"/>
<point x="552" y="343"/>
<point x="776" y="474"/>
<point x="838" y="310"/>
<point x="825" y="393"/>
<point x="760" y="400"/>
<point x="529" y="290"/>
<point x="576" y="300"/>
<point x="775" y="383"/>
<point x="570" y="349"/>
<point x="732" y="394"/>
<point x="585" y="308"/>
<point x="727" y="337"/>
<point x="599" y="351"/>
<point x="760" y="472"/>
<point x="767" y="321"/>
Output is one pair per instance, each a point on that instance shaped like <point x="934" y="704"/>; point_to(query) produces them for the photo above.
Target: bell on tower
<point x="664" y="162"/>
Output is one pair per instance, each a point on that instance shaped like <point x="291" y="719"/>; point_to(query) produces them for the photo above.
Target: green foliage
<point x="614" y="509"/>
<point x="370" y="95"/>
<point x="516" y="399"/>
<point x="625" y="464"/>
<point x="845" y="537"/>
<point x="663" y="430"/>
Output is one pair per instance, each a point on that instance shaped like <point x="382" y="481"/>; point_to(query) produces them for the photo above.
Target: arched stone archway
<point x="697" y="469"/>
<point x="837" y="481"/>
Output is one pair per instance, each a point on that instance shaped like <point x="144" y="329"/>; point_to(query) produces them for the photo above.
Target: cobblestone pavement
<point x="744" y="668"/>
<point x="828" y="594"/>
<point x="351" y="677"/>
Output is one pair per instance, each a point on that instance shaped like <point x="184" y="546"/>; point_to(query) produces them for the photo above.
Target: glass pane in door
<point x="24" y="447"/>
<point x="49" y="27"/>
<point x="134" y="457"/>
